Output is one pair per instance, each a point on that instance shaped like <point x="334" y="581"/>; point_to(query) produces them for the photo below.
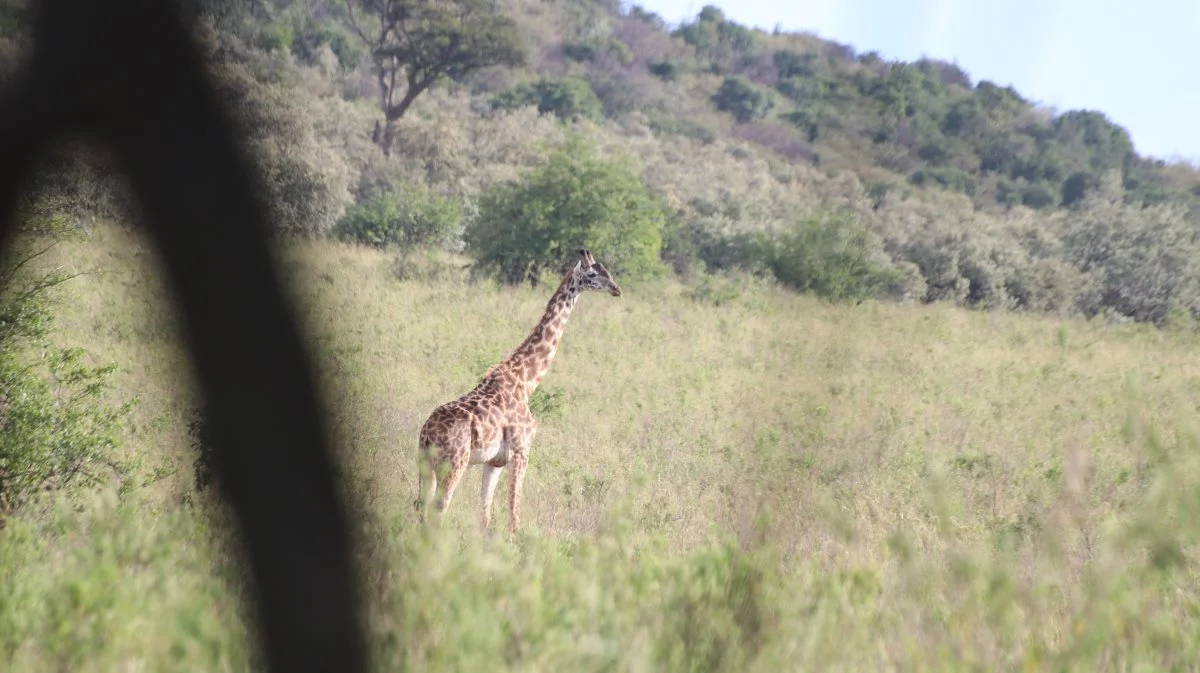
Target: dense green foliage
<point x="575" y="200"/>
<point x="741" y="98"/>
<point x="833" y="256"/>
<point x="569" y="98"/>
<point x="406" y="216"/>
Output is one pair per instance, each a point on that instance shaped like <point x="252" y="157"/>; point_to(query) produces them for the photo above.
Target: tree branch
<point x="354" y="22"/>
<point x="12" y="272"/>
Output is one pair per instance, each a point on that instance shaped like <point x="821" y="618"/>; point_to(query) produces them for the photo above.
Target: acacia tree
<point x="415" y="43"/>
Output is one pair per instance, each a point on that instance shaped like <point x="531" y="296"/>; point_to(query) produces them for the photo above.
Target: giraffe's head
<point x="589" y="274"/>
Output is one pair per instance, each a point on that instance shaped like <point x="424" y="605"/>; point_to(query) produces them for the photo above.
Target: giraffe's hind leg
<point x="427" y="481"/>
<point x="519" y="462"/>
<point x="458" y="459"/>
<point x="491" y="478"/>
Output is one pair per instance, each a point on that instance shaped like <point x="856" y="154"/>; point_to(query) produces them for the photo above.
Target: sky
<point x="1137" y="61"/>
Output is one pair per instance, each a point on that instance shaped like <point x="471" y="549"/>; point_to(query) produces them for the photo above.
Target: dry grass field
<point x="729" y="477"/>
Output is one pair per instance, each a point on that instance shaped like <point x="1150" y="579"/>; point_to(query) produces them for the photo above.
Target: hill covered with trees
<point x="400" y="122"/>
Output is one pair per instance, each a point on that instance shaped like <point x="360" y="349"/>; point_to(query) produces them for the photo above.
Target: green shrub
<point x="808" y="119"/>
<point x="743" y="99"/>
<point x="831" y="255"/>
<point x="668" y="71"/>
<point x="568" y="98"/>
<point x="407" y="216"/>
<point x="791" y="63"/>
<point x="717" y="39"/>
<point x="312" y="35"/>
<point x="945" y="176"/>
<point x="581" y="52"/>
<point x="276" y="36"/>
<point x="55" y="430"/>
<point x="577" y="199"/>
<point x="1039" y="195"/>
<point x="720" y="611"/>
<point x="1144" y="258"/>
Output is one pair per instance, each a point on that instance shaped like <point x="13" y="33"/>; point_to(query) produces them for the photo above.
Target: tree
<point x="716" y="39"/>
<point x="415" y="43"/>
<point x="575" y="200"/>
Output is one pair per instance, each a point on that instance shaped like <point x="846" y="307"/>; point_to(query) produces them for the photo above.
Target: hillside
<point x="759" y="146"/>
<point x="827" y="104"/>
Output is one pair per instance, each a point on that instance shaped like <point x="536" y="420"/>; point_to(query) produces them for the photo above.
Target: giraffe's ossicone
<point x="492" y="425"/>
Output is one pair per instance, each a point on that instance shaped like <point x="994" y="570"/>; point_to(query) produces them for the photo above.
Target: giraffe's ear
<point x="569" y="266"/>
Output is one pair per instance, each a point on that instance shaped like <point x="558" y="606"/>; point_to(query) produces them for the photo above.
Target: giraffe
<point x="492" y="425"/>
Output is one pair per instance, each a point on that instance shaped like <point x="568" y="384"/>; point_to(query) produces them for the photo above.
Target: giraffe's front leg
<point x="516" y="484"/>
<point x="491" y="477"/>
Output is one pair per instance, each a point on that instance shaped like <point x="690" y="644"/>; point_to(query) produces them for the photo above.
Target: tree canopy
<point x="415" y="43"/>
<point x="577" y="199"/>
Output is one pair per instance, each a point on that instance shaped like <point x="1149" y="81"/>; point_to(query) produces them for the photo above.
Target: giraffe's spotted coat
<point x="492" y="425"/>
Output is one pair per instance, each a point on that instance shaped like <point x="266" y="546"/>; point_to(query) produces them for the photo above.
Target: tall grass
<point x="729" y="477"/>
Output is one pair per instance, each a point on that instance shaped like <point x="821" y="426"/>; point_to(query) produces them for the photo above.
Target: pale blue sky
<point x="1134" y="60"/>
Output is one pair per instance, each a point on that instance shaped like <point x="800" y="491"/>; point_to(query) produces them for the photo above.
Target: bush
<point x="576" y="200"/>
<point x="404" y="217"/>
<point x="569" y="98"/>
<point x="1145" y="259"/>
<point x="721" y="612"/>
<point x="948" y="177"/>
<point x="743" y="99"/>
<point x="807" y="120"/>
<point x="313" y="34"/>
<point x="54" y="429"/>
<point x="791" y="63"/>
<point x="1039" y="195"/>
<point x="668" y="71"/>
<point x="581" y="52"/>
<point x="717" y="39"/>
<point x="833" y="256"/>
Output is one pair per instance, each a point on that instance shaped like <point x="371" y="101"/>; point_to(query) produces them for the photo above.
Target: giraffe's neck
<point x="531" y="360"/>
